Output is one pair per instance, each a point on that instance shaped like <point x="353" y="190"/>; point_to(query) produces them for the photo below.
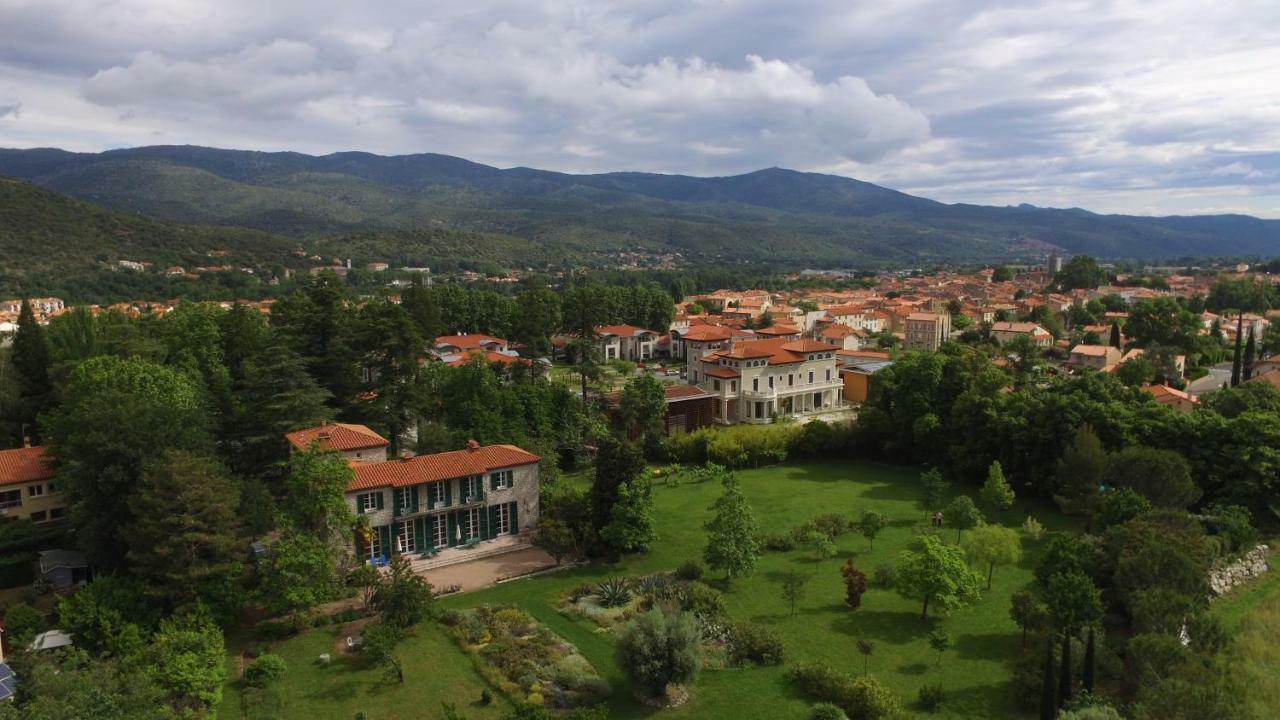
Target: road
<point x="1218" y="375"/>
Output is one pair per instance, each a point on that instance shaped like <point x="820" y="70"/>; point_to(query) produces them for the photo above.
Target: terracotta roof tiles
<point x="337" y="436"/>
<point x="22" y="465"/>
<point x="439" y="466"/>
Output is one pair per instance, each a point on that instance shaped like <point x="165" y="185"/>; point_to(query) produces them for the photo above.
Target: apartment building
<point x="627" y="342"/>
<point x="428" y="504"/>
<point x="28" y="490"/>
<point x="755" y="380"/>
<point x="926" y="331"/>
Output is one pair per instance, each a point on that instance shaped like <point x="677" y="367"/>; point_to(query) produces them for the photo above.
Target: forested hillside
<point x="772" y="215"/>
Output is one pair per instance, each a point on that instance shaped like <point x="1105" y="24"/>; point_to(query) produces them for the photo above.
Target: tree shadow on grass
<point x="913" y="668"/>
<point x="985" y="646"/>
<point x="886" y="625"/>
<point x="900" y="492"/>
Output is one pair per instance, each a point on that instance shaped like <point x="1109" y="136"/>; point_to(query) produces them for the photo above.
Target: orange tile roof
<point x="704" y="333"/>
<point x="675" y="393"/>
<point x="489" y="356"/>
<point x="467" y="342"/>
<point x="337" y="436"/>
<point x="723" y="372"/>
<point x="24" y="465"/>
<point x="440" y="466"/>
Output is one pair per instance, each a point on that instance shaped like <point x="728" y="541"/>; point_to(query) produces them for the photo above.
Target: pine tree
<point x="996" y="491"/>
<point x="1080" y="472"/>
<point x="1115" y="336"/>
<point x="30" y="357"/>
<point x="1089" y="661"/>
<point x="1238" y="359"/>
<point x="1064" y="679"/>
<point x="731" y="533"/>
<point x="276" y="396"/>
<point x="1048" y="701"/>
<point x="184" y="539"/>
<point x="1250" y="351"/>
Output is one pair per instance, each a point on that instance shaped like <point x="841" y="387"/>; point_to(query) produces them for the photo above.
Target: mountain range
<point x="428" y="208"/>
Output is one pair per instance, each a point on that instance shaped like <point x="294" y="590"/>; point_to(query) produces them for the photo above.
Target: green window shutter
<point x="419" y="534"/>
<point x="360" y="504"/>
<point x="448" y="490"/>
<point x="493" y="481"/>
<point x="452" y="528"/>
<point x="377" y="499"/>
<point x="515" y="518"/>
<point x="413" y="498"/>
<point x="493" y="520"/>
<point x="429" y="532"/>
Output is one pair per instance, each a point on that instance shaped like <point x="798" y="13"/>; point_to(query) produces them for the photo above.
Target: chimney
<point x="472" y="446"/>
<point x="405" y="456"/>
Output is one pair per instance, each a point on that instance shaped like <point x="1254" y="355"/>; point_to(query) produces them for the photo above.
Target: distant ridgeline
<point x="420" y="209"/>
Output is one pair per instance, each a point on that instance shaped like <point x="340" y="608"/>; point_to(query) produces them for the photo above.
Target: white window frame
<point x="441" y="534"/>
<point x="375" y="544"/>
<point x="436" y="489"/>
<point x="366" y="502"/>
<point x="404" y="498"/>
<point x="35" y="490"/>
<point x="504" y="520"/>
<point x="406" y="536"/>
<point x="505" y="479"/>
<point x="471" y="528"/>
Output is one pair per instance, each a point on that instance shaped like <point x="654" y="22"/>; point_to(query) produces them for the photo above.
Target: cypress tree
<point x="1089" y="661"/>
<point x="1250" y="351"/>
<point x="1115" y="336"/>
<point x="1235" y="363"/>
<point x="1048" y="704"/>
<point x="1064" y="679"/>
<point x="31" y="360"/>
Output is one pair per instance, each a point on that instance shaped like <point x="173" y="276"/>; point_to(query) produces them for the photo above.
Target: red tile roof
<point x="337" y="436"/>
<point x="468" y="342"/>
<point x="623" y="330"/>
<point x="24" y="465"/>
<point x="722" y="372"/>
<point x="440" y="466"/>
<point x="676" y="393"/>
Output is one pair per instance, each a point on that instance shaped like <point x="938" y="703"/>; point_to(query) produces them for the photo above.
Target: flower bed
<point x="526" y="661"/>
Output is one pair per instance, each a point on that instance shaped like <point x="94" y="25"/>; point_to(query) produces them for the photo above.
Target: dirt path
<point x="484" y="572"/>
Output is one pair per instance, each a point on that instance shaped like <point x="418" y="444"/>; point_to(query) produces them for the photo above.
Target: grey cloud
<point x="10" y="111"/>
<point x="1037" y="101"/>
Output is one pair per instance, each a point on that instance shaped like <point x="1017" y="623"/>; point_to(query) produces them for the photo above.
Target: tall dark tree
<point x="115" y="415"/>
<point x="537" y="317"/>
<point x="617" y="462"/>
<point x="390" y="346"/>
<point x="1115" y="336"/>
<point x="420" y="303"/>
<point x="318" y="323"/>
<point x="30" y="355"/>
<point x="1065" y="681"/>
<point x="1090" y="660"/>
<point x="244" y="334"/>
<point x="275" y="396"/>
<point x="183" y="542"/>
<point x="1238" y="359"/>
<point x="1048" y="699"/>
<point x="1250" y="353"/>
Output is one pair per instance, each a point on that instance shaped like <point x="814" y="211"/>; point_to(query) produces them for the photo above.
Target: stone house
<point x="28" y="489"/>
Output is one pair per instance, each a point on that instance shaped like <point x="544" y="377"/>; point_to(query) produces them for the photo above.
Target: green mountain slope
<point x="772" y="215"/>
<point x="45" y="235"/>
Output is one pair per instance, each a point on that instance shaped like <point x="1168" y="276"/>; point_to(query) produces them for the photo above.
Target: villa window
<point x="11" y="498"/>
<point x="501" y="480"/>
<point x="436" y="495"/>
<point x="755" y="384"/>
<point x="406" y="538"/>
<point x="716" y="384"/>
<point x="471" y="524"/>
<point x="375" y="544"/>
<point x="502" y="516"/>
<point x="35" y="490"/>
<point x="810" y="377"/>
<point x="404" y="498"/>
<point x="440" y="532"/>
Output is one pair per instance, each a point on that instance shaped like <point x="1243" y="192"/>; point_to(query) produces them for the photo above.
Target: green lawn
<point x="975" y="672"/>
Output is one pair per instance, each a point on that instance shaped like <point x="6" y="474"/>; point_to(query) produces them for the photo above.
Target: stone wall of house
<point x="1249" y="566"/>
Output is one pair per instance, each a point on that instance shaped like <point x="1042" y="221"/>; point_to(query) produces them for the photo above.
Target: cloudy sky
<point x="1169" y="106"/>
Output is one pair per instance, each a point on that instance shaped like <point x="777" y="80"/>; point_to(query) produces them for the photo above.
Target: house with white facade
<point x="627" y="342"/>
<point x="755" y="380"/>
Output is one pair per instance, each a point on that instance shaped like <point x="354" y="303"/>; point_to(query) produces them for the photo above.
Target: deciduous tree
<point x="996" y="491"/>
<point x="992" y="545"/>
<point x="731" y="533"/>
<point x="936" y="574"/>
<point x="962" y="515"/>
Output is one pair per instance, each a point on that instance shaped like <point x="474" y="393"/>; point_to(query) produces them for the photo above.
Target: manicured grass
<point x="975" y="672"/>
<point x="435" y="671"/>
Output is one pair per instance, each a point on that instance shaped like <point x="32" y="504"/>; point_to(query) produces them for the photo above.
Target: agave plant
<point x="614" y="592"/>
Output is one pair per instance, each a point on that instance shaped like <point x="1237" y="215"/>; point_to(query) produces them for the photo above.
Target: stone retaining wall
<point x="1249" y="566"/>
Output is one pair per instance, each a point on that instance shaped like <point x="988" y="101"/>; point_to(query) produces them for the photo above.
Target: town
<point x="395" y="472"/>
